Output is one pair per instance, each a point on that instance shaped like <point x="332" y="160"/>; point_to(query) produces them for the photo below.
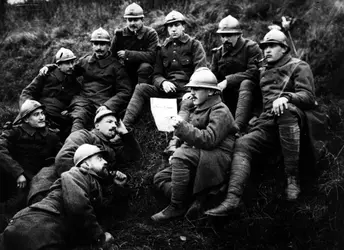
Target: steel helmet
<point x="133" y="11"/>
<point x="174" y="16"/>
<point x="26" y="109"/>
<point x="64" y="55"/>
<point x="84" y="152"/>
<point x="229" y="25"/>
<point x="102" y="113"/>
<point x="100" y="35"/>
<point x="203" y="78"/>
<point x="274" y="36"/>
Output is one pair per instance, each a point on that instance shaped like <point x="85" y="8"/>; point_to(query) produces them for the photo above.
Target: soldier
<point x="235" y="65"/>
<point x="135" y="45"/>
<point x="107" y="126"/>
<point x="288" y="100"/>
<point x="55" y="91"/>
<point x="202" y="160"/>
<point x="105" y="84"/>
<point x="67" y="217"/>
<point x="179" y="56"/>
<point x="25" y="149"/>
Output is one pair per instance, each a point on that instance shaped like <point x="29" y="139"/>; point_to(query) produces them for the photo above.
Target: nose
<point x="42" y="116"/>
<point x="105" y="162"/>
<point x="192" y="91"/>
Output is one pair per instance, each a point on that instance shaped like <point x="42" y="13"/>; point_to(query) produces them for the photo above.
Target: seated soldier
<point x="235" y="64"/>
<point x="67" y="217"/>
<point x="107" y="126"/>
<point x="179" y="56"/>
<point x="136" y="45"/>
<point x="288" y="95"/>
<point x="201" y="162"/>
<point x="55" y="91"/>
<point x="25" y="149"/>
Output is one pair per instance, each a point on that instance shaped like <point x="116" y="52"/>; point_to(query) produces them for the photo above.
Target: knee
<point x="159" y="179"/>
<point x="242" y="144"/>
<point x="246" y="85"/>
<point x="287" y="118"/>
<point x="145" y="68"/>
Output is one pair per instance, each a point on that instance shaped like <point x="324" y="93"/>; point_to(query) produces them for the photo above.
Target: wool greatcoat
<point x="210" y="132"/>
<point x="67" y="217"/>
<point x="130" y="150"/>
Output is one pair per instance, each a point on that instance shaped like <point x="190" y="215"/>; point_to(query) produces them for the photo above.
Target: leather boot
<point x="171" y="211"/>
<point x="290" y="144"/>
<point x="240" y="171"/>
<point x="243" y="110"/>
<point x="172" y="146"/>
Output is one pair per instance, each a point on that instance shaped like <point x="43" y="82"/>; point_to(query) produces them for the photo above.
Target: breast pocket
<point x="185" y="61"/>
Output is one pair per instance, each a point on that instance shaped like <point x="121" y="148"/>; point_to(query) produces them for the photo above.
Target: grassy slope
<point x="268" y="222"/>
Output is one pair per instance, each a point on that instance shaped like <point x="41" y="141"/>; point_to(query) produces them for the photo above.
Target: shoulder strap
<point x="287" y="77"/>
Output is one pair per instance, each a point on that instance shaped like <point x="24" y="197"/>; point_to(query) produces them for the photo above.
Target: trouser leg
<point x="163" y="181"/>
<point x="140" y="97"/>
<point x="82" y="112"/>
<point x="180" y="181"/>
<point x="289" y="132"/>
<point x="144" y="73"/>
<point x="244" y="105"/>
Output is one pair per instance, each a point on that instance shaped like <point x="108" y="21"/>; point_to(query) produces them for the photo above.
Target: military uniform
<point x="64" y="159"/>
<point x="176" y="61"/>
<point x="105" y="82"/>
<point x="140" y="52"/>
<point x="64" y="219"/>
<point x="205" y="155"/>
<point x="238" y="65"/>
<point x="24" y="150"/>
<point x="55" y="91"/>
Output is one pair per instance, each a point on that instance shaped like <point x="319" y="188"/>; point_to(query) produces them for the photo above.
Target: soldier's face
<point x="134" y="24"/>
<point x="98" y="164"/>
<point x="274" y="52"/>
<point x="107" y="126"/>
<point x="230" y="39"/>
<point x="100" y="49"/>
<point x="175" y="30"/>
<point x="66" y="67"/>
<point x="36" y="119"/>
<point x="199" y="95"/>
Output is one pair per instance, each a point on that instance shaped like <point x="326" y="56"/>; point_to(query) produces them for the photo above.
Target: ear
<point x="26" y="120"/>
<point x="96" y="125"/>
<point x="211" y="92"/>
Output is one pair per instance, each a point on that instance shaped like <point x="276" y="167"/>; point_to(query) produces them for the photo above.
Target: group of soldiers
<point x="62" y="166"/>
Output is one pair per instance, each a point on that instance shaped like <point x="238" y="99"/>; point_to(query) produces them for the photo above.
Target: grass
<point x="266" y="221"/>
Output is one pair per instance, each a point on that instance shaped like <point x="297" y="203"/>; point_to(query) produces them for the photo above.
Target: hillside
<point x="33" y="35"/>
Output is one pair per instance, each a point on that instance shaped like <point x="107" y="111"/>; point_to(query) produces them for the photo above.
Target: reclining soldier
<point x="67" y="217"/>
<point x="25" y="148"/>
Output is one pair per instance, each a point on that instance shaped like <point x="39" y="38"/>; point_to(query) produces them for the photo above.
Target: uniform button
<point x="174" y="51"/>
<point x="174" y="60"/>
<point x="174" y="44"/>
<point x="62" y="87"/>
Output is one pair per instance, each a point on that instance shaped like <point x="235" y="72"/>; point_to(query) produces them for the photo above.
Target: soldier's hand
<point x="222" y="85"/>
<point x="121" y="54"/>
<point x="64" y="112"/>
<point x="176" y="120"/>
<point x="279" y="105"/>
<point x="169" y="87"/>
<point x="21" y="181"/>
<point x="187" y="96"/>
<point x="120" y="178"/>
<point x="43" y="71"/>
<point x="121" y="129"/>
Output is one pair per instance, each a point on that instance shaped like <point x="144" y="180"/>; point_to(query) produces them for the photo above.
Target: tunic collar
<point x="285" y="59"/>
<point x="212" y="100"/>
<point x="58" y="74"/>
<point x="184" y="38"/>
<point x="103" y="62"/>
<point x="139" y="34"/>
<point x="31" y="131"/>
<point x="237" y="47"/>
<point x="100" y="135"/>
